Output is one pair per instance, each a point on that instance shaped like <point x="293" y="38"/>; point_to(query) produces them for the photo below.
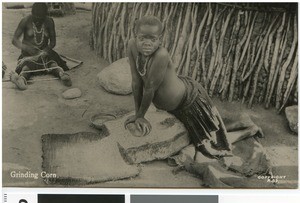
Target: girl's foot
<point x="206" y="149"/>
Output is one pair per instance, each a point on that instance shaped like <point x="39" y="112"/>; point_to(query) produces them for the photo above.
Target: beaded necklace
<point x="36" y="32"/>
<point x="142" y="69"/>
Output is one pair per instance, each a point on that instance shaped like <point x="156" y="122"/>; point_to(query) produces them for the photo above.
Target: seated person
<point x="39" y="39"/>
<point x="154" y="79"/>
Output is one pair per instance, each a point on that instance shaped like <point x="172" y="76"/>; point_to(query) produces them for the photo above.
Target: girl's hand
<point x="143" y="125"/>
<point x="130" y="119"/>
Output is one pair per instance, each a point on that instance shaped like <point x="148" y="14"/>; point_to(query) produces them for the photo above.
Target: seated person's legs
<point x="25" y="74"/>
<point x="20" y="80"/>
<point x="60" y="73"/>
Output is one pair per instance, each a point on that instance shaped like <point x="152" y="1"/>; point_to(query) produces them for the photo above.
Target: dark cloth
<point x="199" y="117"/>
<point x="40" y="63"/>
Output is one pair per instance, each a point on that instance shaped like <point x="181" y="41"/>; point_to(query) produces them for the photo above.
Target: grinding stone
<point x="72" y="93"/>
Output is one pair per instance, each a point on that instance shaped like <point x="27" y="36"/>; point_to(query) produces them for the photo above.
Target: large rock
<point x="168" y="136"/>
<point x="291" y="113"/>
<point x="116" y="78"/>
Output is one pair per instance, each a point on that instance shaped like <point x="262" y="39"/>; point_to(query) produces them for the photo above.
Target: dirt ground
<point x="27" y="115"/>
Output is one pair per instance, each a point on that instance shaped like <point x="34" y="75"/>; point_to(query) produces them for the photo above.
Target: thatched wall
<point x="237" y="52"/>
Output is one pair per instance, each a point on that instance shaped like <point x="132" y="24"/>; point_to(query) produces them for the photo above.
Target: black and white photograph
<point x="178" y="95"/>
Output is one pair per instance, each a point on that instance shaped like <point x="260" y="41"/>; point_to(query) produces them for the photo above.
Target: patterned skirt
<point x="199" y="117"/>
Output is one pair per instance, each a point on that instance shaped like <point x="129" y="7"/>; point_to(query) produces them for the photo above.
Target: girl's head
<point x="148" y="32"/>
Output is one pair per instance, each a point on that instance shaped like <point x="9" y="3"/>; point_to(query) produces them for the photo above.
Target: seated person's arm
<point x="154" y="79"/>
<point x="17" y="41"/>
<point x="52" y="35"/>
